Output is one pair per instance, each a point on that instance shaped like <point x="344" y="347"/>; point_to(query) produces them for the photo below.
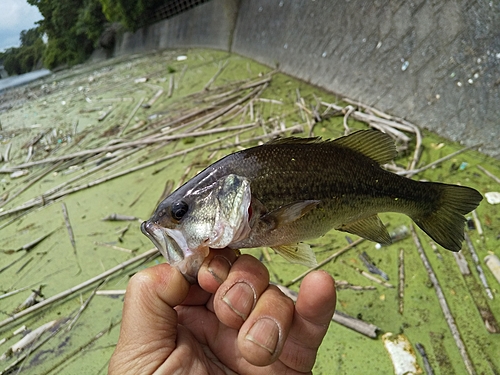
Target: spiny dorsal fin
<point x="372" y="143"/>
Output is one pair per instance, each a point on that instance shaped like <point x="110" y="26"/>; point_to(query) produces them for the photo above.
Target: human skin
<point x="232" y="322"/>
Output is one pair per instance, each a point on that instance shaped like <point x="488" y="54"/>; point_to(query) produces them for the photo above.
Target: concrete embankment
<point x="436" y="64"/>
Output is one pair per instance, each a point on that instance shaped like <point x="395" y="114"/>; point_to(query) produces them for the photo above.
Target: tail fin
<point x="445" y="224"/>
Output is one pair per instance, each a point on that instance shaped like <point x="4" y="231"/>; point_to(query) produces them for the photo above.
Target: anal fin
<point x="370" y="228"/>
<point x="300" y="253"/>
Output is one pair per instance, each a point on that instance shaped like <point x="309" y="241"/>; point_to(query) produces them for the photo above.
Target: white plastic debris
<point x="493" y="197"/>
<point x="402" y="355"/>
<point x="181" y="58"/>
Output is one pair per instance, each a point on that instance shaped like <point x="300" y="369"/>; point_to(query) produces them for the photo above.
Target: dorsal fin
<point x="294" y="140"/>
<point x="372" y="143"/>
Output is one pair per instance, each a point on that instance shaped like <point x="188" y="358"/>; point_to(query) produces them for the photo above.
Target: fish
<point x="291" y="190"/>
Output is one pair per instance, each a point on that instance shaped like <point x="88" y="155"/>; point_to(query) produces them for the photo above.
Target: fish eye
<point x="179" y="209"/>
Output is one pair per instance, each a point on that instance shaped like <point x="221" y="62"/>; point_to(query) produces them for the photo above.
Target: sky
<point x="16" y="16"/>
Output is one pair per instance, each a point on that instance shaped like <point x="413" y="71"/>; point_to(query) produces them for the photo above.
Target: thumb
<point x="148" y="330"/>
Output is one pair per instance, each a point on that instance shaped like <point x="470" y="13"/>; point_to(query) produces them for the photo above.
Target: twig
<point x="342" y="284"/>
<point x="477" y="224"/>
<point x="327" y="260"/>
<point x="425" y="359"/>
<point x="219" y="71"/>
<point x="69" y="228"/>
<point x="105" y="114"/>
<point x="401" y="285"/>
<point x="132" y="114"/>
<point x="84" y="306"/>
<point x="78" y="287"/>
<point x="479" y="269"/>
<point x="145" y="141"/>
<point x="113" y="247"/>
<point x="370" y="277"/>
<point x="171" y="86"/>
<point x="444" y="305"/>
<point x="477" y="295"/>
<point x="155" y="97"/>
<point x="31" y="182"/>
<point x="71" y="355"/>
<point x="118" y="217"/>
<point x="488" y="173"/>
<point x="357" y="325"/>
<point x="434" y="163"/>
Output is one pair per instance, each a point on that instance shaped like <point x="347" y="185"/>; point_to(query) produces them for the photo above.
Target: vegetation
<point x="26" y="57"/>
<point x="73" y="29"/>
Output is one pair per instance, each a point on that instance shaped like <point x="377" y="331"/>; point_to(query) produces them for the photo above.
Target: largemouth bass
<point x="294" y="189"/>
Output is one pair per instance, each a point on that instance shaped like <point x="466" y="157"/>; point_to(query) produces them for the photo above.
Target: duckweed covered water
<point x="64" y="109"/>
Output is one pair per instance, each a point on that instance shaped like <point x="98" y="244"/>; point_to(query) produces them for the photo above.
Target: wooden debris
<point x="444" y="305"/>
<point x="129" y="118"/>
<point x="79" y="287"/>
<point x="84" y="306"/>
<point x="357" y="325"/>
<point x="401" y="280"/>
<point x="119" y="217"/>
<point x="326" y="261"/>
<point x="368" y="276"/>
<point x="372" y="268"/>
<point x="155" y="98"/>
<point x="69" y="227"/>
<point x="427" y="365"/>
<point x="493" y="264"/>
<point x="219" y="71"/>
<point x="477" y="295"/>
<point x="479" y="269"/>
<point x="29" y="339"/>
<point x="488" y="173"/>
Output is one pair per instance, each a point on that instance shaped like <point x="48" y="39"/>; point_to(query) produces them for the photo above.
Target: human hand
<point x="233" y="322"/>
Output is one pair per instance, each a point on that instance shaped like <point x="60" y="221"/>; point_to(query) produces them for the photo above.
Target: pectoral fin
<point x="290" y="212"/>
<point x="300" y="253"/>
<point x="370" y="228"/>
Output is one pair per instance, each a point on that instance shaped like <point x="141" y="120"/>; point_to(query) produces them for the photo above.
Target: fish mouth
<point x="172" y="245"/>
<point x="167" y="245"/>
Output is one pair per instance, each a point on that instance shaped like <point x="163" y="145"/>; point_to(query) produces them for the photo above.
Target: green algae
<point x="62" y="104"/>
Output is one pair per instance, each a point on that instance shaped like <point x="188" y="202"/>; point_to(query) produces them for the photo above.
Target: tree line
<point x="73" y="29"/>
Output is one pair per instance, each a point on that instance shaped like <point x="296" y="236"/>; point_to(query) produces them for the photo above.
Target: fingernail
<point x="241" y="299"/>
<point x="264" y="333"/>
<point x="219" y="268"/>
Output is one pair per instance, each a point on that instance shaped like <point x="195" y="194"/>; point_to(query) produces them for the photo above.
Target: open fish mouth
<point x="164" y="242"/>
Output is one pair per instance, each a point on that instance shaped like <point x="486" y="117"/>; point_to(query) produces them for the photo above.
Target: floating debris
<point x="403" y="357"/>
<point x="119" y="217"/>
<point x="357" y="325"/>
<point x="493" y="197"/>
<point x="427" y="365"/>
<point x="493" y="264"/>
<point x="368" y="262"/>
<point x="20" y="173"/>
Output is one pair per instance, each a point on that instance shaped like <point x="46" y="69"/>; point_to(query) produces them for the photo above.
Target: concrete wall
<point x="435" y="63"/>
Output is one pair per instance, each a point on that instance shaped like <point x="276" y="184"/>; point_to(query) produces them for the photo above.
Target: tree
<point x="130" y="13"/>
<point x="73" y="28"/>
